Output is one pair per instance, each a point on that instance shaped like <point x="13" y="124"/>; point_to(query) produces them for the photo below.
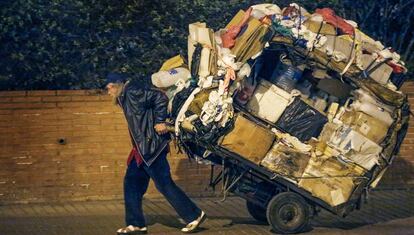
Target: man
<point x="145" y="110"/>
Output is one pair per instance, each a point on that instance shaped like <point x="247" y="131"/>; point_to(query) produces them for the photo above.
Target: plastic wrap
<point x="179" y="100"/>
<point x="286" y="161"/>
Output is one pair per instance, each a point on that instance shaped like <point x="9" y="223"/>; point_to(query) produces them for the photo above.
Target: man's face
<point x="112" y="89"/>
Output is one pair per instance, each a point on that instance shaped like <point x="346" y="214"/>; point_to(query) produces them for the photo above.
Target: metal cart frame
<point x="264" y="190"/>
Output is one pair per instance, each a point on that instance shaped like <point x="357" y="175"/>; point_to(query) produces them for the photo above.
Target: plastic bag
<point x="301" y="120"/>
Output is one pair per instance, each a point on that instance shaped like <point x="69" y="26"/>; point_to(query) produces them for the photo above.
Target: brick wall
<point x="34" y="166"/>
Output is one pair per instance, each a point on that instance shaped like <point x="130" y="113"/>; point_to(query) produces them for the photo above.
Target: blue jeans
<point x="136" y="183"/>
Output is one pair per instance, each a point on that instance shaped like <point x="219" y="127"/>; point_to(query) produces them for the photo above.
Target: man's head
<point x="115" y="83"/>
<point x="114" y="89"/>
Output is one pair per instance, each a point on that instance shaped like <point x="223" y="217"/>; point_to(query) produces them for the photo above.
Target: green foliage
<point x="58" y="44"/>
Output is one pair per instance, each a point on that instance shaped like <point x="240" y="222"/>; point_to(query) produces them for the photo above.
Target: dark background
<point x="61" y="44"/>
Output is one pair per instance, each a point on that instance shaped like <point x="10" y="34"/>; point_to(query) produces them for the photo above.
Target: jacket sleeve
<point x="159" y="104"/>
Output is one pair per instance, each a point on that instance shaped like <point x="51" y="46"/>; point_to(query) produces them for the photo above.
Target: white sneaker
<point x="132" y="230"/>
<point x="192" y="226"/>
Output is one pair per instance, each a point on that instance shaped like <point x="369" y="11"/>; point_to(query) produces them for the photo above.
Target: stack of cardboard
<point x="328" y="115"/>
<point x="331" y="180"/>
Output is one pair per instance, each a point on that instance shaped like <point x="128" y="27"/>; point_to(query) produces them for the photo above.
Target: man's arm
<point x="159" y="103"/>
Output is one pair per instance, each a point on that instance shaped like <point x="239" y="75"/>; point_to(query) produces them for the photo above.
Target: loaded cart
<point x="272" y="197"/>
<point x="302" y="110"/>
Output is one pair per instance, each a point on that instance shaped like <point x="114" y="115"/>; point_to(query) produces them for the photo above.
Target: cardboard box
<point x="286" y="161"/>
<point x="248" y="42"/>
<point x="331" y="180"/>
<point x="268" y="101"/>
<point x="356" y="147"/>
<point x="381" y="73"/>
<point x="248" y="140"/>
<point x="343" y="46"/>
<point x="321" y="27"/>
<point x="368" y="126"/>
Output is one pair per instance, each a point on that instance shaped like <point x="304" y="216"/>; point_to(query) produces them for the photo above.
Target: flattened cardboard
<point x="321" y="27"/>
<point x="368" y="126"/>
<point x="248" y="42"/>
<point x="248" y="140"/>
<point x="356" y="147"/>
<point x="381" y="74"/>
<point x="286" y="161"/>
<point x="331" y="180"/>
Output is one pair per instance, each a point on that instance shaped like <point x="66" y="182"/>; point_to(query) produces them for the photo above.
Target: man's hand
<point x="161" y="128"/>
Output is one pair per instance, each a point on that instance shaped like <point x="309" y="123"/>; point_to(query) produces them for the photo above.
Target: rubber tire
<point x="257" y="212"/>
<point x="293" y="208"/>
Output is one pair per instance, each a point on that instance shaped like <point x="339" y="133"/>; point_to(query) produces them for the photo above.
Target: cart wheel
<point x="257" y="212"/>
<point x="288" y="213"/>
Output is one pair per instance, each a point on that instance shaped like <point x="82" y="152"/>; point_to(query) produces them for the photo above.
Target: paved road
<point x="389" y="212"/>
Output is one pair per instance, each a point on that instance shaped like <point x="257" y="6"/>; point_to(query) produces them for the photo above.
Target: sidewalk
<point x="388" y="212"/>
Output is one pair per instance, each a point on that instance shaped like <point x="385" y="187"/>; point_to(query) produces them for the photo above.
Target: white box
<point x="268" y="101"/>
<point x="356" y="147"/>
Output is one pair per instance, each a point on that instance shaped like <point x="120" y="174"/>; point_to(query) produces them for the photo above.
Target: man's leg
<point x="159" y="172"/>
<point x="135" y="185"/>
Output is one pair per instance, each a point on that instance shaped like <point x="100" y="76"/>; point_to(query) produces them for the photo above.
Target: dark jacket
<point x="143" y="108"/>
